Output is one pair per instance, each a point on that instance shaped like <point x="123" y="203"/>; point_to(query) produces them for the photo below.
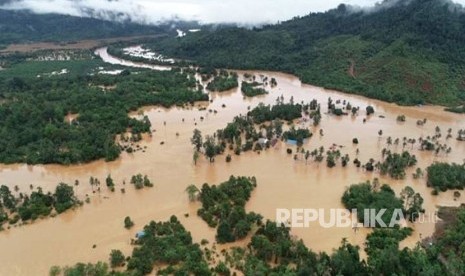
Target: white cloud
<point x="206" y="11"/>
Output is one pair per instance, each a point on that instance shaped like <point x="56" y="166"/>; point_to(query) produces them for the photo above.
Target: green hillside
<point x="408" y="52"/>
<point x="23" y="26"/>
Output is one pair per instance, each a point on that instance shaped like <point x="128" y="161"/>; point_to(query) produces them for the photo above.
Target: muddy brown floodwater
<point x="282" y="182"/>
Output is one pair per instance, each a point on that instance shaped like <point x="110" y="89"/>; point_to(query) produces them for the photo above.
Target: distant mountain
<point x="405" y="51"/>
<point x="24" y="26"/>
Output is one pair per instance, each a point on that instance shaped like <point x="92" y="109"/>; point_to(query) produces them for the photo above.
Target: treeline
<point x="444" y="176"/>
<point x="223" y="207"/>
<point x="395" y="164"/>
<point x="223" y="81"/>
<point x="35" y="205"/>
<point x="373" y="196"/>
<point x="244" y="128"/>
<point x="167" y="243"/>
<point x="383" y="54"/>
<point x="164" y="243"/>
<point x="283" y="111"/>
<point x="251" y="89"/>
<point x="21" y="26"/>
<point x="32" y="116"/>
<point x="273" y="251"/>
<point x="298" y="135"/>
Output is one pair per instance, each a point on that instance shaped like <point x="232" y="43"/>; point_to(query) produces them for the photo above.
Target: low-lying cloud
<point x="204" y="11"/>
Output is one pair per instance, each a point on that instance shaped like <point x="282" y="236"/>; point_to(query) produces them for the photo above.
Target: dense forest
<point x="444" y="176"/>
<point x="223" y="206"/>
<point x="23" y="26"/>
<point x="224" y="81"/>
<point x="375" y="196"/>
<point x="408" y="53"/>
<point x="33" y="128"/>
<point x="37" y="204"/>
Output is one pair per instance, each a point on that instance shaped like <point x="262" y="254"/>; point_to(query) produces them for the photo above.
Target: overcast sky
<point x="205" y="11"/>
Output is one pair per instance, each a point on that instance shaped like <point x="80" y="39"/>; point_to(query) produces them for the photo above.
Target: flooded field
<point x="282" y="181"/>
<point x="80" y="44"/>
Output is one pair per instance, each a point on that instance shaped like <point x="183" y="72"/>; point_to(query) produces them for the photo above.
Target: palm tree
<point x="389" y="141"/>
<point x="192" y="192"/>
<point x="91" y="181"/>
<point x="460" y="135"/>
<point x="449" y="131"/>
<point x="413" y="141"/>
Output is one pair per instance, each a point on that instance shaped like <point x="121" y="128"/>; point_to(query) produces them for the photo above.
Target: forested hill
<point x="406" y="51"/>
<point x="23" y="26"/>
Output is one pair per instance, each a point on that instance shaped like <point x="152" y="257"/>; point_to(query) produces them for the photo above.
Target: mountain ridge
<point x="23" y="26"/>
<point x="409" y="53"/>
<point x="403" y="51"/>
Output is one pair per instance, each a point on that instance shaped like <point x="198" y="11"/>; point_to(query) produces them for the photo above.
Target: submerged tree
<point x="128" y="223"/>
<point x="109" y="181"/>
<point x="116" y="258"/>
<point x="370" y="110"/>
<point x="413" y="203"/>
<point x="64" y="197"/>
<point x="197" y="139"/>
<point x="192" y="192"/>
<point x="210" y="148"/>
<point x="195" y="157"/>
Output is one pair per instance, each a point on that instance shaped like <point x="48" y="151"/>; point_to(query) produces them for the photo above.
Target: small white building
<point x="262" y="142"/>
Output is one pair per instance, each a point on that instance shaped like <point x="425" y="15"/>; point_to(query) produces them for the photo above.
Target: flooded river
<point x="282" y="181"/>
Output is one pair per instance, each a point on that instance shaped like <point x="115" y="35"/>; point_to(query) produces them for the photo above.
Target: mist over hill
<point x="242" y="12"/>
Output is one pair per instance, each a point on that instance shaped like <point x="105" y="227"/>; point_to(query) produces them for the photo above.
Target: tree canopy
<point x="33" y="128"/>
